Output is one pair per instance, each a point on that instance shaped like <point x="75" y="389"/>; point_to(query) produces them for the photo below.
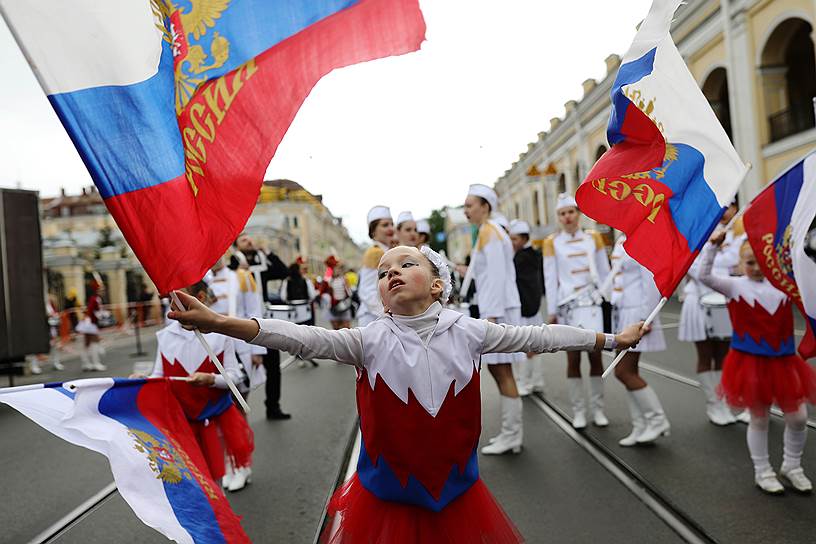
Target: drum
<point x="302" y="309"/>
<point x="715" y="312"/>
<point x="281" y="311"/>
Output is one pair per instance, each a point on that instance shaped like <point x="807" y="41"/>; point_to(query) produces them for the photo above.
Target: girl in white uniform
<point x="497" y="297"/>
<point x="381" y="232"/>
<point x="417" y="380"/>
<point x="711" y="350"/>
<point x="634" y="296"/>
<point x="407" y="234"/>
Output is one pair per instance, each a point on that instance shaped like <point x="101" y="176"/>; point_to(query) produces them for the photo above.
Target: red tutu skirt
<point x="226" y="435"/>
<point x="473" y="517"/>
<point x="757" y="382"/>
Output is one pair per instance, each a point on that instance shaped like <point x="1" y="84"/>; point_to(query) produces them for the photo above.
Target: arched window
<point x="788" y="67"/>
<point x="715" y="89"/>
<point x="562" y="183"/>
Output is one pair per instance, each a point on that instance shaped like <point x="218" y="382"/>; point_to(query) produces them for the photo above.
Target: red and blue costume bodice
<point x="420" y="411"/>
<point x="762" y="318"/>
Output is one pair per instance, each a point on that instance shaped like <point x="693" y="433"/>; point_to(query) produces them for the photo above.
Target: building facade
<point x="754" y="61"/>
<point x="81" y="241"/>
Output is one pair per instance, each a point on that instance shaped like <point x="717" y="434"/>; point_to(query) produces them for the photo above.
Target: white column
<point x="742" y="97"/>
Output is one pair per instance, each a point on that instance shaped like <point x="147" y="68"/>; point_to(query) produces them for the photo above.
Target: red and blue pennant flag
<point x="671" y="170"/>
<point x="779" y="225"/>
<point x="177" y="106"/>
<point x="156" y="462"/>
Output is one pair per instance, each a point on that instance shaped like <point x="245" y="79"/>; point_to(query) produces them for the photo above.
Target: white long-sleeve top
<point x="370" y="304"/>
<point x="725" y="260"/>
<point x="567" y="266"/>
<point x="180" y="346"/>
<point x="494" y="272"/>
<point x="224" y="287"/>
<point x="633" y="285"/>
<point x="346" y="345"/>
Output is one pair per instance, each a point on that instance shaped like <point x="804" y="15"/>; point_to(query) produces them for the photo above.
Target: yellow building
<point x="754" y="61"/>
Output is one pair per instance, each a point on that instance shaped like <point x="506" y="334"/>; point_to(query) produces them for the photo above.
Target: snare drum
<point x="715" y="312"/>
<point x="281" y="311"/>
<point x="302" y="309"/>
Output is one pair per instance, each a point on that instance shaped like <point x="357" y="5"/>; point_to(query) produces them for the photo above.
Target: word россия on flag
<point x="777" y="223"/>
<point x="671" y="170"/>
<point x="156" y="462"/>
<point x="177" y="106"/>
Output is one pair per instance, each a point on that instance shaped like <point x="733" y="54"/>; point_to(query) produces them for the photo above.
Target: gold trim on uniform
<point x="548" y="246"/>
<point x="372" y="256"/>
<point x="487" y="232"/>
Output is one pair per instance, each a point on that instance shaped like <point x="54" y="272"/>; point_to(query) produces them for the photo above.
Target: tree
<point x="438" y="239"/>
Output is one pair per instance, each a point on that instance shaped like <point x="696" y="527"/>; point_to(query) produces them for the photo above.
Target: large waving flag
<point x="671" y="170"/>
<point x="156" y="463"/>
<point x="777" y="222"/>
<point x="177" y="106"/>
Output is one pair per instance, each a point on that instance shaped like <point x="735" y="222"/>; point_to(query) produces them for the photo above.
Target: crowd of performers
<point x="418" y="358"/>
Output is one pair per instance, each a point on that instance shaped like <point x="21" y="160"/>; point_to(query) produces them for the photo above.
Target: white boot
<point x="713" y="405"/>
<point x="84" y="356"/>
<point x="576" y="394"/>
<point x="638" y="422"/>
<point x="596" y="401"/>
<point x="537" y="370"/>
<point x="55" y="360"/>
<point x="96" y="363"/>
<point x="656" y="423"/>
<point x="725" y="410"/>
<point x="522" y="372"/>
<point x="229" y="474"/>
<point x="35" y="366"/>
<point x="512" y="435"/>
<point x="240" y="479"/>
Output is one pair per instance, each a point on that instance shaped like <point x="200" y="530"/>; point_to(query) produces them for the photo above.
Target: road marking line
<point x="76" y="515"/>
<point x="649" y="497"/>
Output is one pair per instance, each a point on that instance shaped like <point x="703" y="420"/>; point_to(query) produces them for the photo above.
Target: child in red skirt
<point x="762" y="367"/>
<point x="220" y="429"/>
<point x="418" y="397"/>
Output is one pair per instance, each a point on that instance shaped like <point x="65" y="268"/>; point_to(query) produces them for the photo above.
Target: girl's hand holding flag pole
<point x="671" y="171"/>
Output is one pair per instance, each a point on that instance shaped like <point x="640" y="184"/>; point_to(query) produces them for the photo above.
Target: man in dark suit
<point x="264" y="267"/>
<point x="530" y="283"/>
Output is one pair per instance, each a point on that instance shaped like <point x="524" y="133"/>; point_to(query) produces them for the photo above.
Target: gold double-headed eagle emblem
<point x="185" y="30"/>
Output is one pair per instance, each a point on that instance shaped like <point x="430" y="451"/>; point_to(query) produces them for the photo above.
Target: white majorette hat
<point x="404" y="216"/>
<point x="423" y="227"/>
<point x="378" y="212"/>
<point x="517" y="226"/>
<point x="477" y="189"/>
<point x="565" y="200"/>
<point x="500" y="220"/>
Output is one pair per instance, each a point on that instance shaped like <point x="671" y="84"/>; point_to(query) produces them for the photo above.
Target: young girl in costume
<point x="762" y="367"/>
<point x="220" y="429"/>
<point x="418" y="398"/>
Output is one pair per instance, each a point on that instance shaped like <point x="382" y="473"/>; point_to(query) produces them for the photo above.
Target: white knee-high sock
<point x="794" y="439"/>
<point x="757" y="439"/>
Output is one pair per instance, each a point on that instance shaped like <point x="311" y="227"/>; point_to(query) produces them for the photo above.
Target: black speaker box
<point x="23" y="321"/>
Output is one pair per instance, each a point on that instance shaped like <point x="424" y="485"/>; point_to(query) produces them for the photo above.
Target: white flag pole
<point x="214" y="358"/>
<point x="646" y="324"/>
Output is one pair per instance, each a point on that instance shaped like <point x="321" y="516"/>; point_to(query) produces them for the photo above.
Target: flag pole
<point x="646" y="324"/>
<point x="214" y="358"/>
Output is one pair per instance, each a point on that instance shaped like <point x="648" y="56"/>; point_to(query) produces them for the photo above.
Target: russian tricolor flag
<point x="156" y="462"/>
<point x="177" y="106"/>
<point x="671" y="170"/>
<point x="778" y="223"/>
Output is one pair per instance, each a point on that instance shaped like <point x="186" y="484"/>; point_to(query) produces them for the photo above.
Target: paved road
<point x="555" y="491"/>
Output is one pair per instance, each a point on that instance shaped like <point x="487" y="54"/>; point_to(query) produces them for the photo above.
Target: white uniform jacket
<point x="570" y="262"/>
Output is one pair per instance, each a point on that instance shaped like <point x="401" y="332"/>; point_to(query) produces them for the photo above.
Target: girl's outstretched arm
<point x="505" y="338"/>
<point x="344" y="346"/>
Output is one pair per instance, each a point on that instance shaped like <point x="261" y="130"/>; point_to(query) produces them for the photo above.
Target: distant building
<point x="754" y="61"/>
<point x="80" y="239"/>
<point x="458" y="234"/>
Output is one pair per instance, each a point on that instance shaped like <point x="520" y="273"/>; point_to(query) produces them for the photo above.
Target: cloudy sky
<point x="410" y="132"/>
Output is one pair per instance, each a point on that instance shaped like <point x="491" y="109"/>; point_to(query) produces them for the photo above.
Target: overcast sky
<point x="410" y="132"/>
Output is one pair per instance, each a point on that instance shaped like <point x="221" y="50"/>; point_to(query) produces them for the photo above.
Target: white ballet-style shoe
<point x="744" y="417"/>
<point x="797" y="480"/>
<point x="768" y="483"/>
<point x="240" y="479"/>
